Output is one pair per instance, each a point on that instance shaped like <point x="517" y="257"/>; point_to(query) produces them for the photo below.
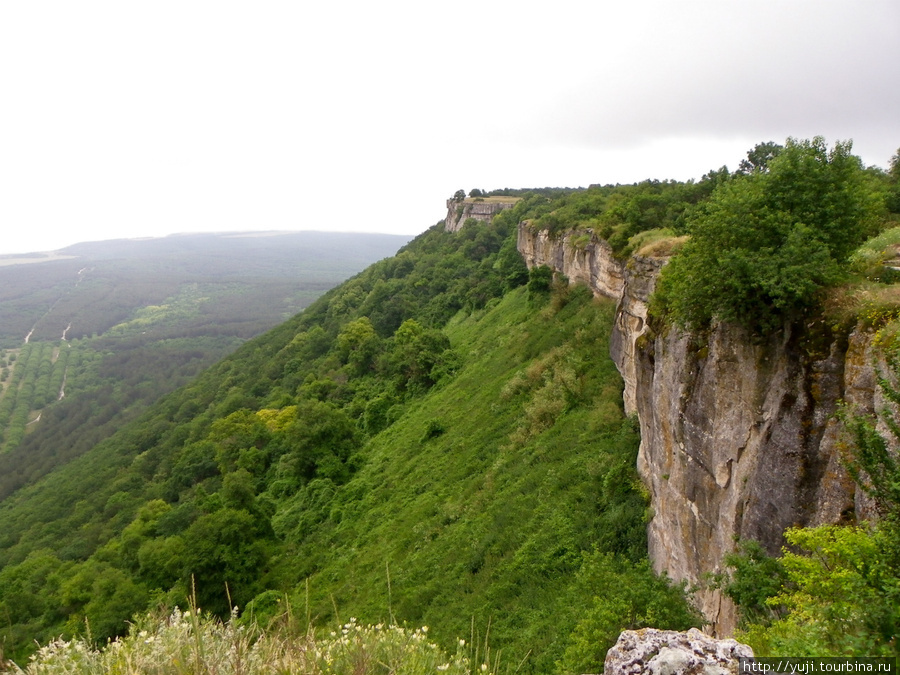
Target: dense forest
<point x="440" y="441"/>
<point x="100" y="330"/>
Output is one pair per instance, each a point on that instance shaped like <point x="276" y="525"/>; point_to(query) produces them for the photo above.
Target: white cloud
<point x="124" y="119"/>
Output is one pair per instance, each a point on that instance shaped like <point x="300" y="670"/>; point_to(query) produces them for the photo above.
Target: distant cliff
<point x="738" y="438"/>
<point x="479" y="208"/>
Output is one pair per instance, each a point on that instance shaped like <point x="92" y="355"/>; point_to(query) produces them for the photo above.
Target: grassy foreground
<point x="184" y="643"/>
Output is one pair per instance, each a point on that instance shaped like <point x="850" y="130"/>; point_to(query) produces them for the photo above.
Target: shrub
<point x="765" y="244"/>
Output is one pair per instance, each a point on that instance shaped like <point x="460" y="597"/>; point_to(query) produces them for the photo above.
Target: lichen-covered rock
<point x="667" y="652"/>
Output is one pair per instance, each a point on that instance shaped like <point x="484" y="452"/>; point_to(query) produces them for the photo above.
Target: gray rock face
<point x="458" y="212"/>
<point x="664" y="652"/>
<point x="738" y="438"/>
<point x="582" y="256"/>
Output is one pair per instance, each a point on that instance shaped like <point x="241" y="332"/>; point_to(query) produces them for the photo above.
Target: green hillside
<point x="440" y="441"/>
<point x="432" y="442"/>
<point x="95" y="333"/>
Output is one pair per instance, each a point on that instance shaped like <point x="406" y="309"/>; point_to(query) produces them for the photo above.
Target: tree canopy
<point x="767" y="242"/>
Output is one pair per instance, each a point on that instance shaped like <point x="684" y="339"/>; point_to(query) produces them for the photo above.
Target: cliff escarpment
<point x="738" y="436"/>
<point x="482" y="209"/>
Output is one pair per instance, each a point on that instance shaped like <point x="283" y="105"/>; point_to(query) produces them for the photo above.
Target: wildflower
<point x="462" y="643"/>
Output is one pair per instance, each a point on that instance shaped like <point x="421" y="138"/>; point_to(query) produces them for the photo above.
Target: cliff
<point x="479" y="208"/>
<point x="738" y="438"/>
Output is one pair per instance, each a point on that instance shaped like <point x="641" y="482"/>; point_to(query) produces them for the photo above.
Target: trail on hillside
<point x="78" y="279"/>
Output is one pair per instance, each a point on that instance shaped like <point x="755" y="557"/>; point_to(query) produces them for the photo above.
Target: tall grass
<point x="189" y="643"/>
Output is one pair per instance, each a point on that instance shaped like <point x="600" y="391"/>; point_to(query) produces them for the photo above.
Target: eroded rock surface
<point x="481" y="209"/>
<point x="738" y="435"/>
<point x="665" y="652"/>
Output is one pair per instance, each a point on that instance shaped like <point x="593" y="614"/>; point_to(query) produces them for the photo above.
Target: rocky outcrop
<point x="738" y="441"/>
<point x="585" y="258"/>
<point x="482" y="209"/>
<point x="581" y="255"/>
<point x="738" y="436"/>
<point x="664" y="652"/>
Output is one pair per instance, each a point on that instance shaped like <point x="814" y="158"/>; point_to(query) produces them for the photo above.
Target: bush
<point x="765" y="244"/>
<point x="540" y="279"/>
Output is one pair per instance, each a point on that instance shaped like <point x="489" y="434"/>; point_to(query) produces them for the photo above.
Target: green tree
<point x="759" y="157"/>
<point x="893" y="196"/>
<point x="766" y="243"/>
<point x="540" y="279"/>
<point x="358" y="344"/>
<point x="620" y="596"/>
<point x="224" y="557"/>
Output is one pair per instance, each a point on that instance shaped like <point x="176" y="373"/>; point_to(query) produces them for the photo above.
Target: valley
<point x="533" y="428"/>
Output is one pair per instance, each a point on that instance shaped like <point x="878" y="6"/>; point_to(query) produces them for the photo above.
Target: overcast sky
<point x="124" y="119"/>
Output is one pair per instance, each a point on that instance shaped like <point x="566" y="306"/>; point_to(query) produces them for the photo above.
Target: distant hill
<point x="92" y="334"/>
<point x="249" y="281"/>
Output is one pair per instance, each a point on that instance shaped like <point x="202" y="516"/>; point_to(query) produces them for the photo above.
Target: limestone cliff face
<point x="737" y="436"/>
<point x="481" y="209"/>
<point x="587" y="259"/>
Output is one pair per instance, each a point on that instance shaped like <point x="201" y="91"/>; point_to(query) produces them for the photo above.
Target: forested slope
<point x="440" y="440"/>
<point x="430" y="442"/>
<point x="98" y="331"/>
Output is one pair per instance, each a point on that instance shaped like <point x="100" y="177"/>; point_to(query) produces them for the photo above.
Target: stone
<point x="667" y="652"/>
<point x="482" y="209"/>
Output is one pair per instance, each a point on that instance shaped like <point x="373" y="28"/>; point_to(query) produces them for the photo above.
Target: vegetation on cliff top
<point x="767" y="242"/>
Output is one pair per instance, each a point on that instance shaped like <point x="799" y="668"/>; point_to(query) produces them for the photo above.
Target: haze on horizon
<point x="135" y="120"/>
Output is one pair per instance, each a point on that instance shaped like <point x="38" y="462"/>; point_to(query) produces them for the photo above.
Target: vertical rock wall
<point x="481" y="209"/>
<point x="738" y="438"/>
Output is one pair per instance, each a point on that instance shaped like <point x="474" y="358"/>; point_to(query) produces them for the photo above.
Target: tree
<point x="620" y="596"/>
<point x="759" y="157"/>
<point x="358" y="343"/>
<point x="459" y="195"/>
<point x="766" y="243"/>
<point x="893" y="196"/>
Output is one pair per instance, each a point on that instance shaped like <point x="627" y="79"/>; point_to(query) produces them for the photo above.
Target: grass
<point x="870" y="258"/>
<point x="657" y="243"/>
<point x="188" y="643"/>
<point x="488" y="518"/>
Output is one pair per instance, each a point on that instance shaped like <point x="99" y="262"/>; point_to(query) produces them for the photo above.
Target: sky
<point x="131" y="119"/>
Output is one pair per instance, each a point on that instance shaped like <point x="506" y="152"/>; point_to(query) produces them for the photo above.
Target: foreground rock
<point x="668" y="652"/>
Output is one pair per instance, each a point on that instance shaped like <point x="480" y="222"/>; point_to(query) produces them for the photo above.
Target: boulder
<point x="666" y="652"/>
